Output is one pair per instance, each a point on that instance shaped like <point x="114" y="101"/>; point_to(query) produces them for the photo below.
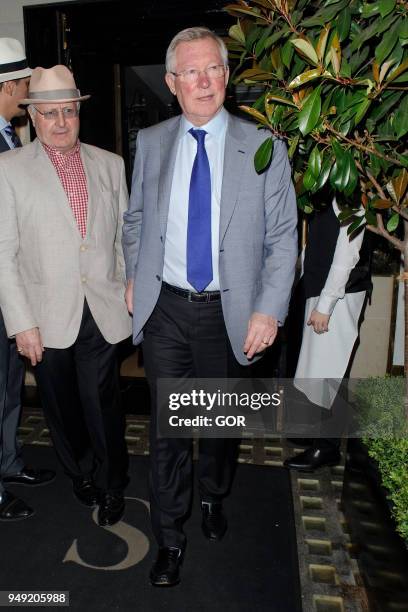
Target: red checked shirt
<point x="71" y="173"/>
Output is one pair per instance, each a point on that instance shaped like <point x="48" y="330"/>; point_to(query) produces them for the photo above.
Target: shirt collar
<point x="62" y="159"/>
<point x="216" y="126"/>
<point x="3" y="123"/>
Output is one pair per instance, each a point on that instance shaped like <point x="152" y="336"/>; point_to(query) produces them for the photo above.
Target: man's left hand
<point x="262" y="330"/>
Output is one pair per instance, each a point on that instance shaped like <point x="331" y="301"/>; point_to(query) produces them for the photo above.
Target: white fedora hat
<point x="13" y="62"/>
<point x="54" y="84"/>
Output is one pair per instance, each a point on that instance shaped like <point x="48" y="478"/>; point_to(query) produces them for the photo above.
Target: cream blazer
<point x="46" y="268"/>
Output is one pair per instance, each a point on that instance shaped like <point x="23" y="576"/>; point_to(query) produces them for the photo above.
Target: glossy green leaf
<point x="287" y="53"/>
<point x="361" y="110"/>
<point x="305" y="77"/>
<point x="324" y="174"/>
<point x="310" y="113"/>
<point x="371" y="9"/>
<point x="270" y="97"/>
<point x="255" y="114"/>
<point x="315" y="162"/>
<point x="308" y="179"/>
<point x="321" y="43"/>
<point x="236" y="33"/>
<point x="293" y="146"/>
<point x="387" y="44"/>
<point x="393" y="222"/>
<point x="343" y="22"/>
<point x="355" y="225"/>
<point x="346" y="213"/>
<point x="401" y="119"/>
<point x="263" y="156"/>
<point x="386" y="6"/>
<point x="306" y="49"/>
<point x="398" y="71"/>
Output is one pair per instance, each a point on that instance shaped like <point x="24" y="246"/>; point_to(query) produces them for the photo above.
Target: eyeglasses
<point x="67" y="111"/>
<point x="192" y="75"/>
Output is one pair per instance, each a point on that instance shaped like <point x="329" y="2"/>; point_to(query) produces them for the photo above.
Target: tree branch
<point x="358" y="145"/>
<point x="381" y="231"/>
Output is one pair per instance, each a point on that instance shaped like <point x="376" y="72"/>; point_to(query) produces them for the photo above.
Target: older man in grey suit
<point x="210" y="249"/>
<point x="62" y="280"/>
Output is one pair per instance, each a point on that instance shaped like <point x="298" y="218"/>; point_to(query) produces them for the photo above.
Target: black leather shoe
<point x="12" y="508"/>
<point x="166" y="569"/>
<point x="111" y="509"/>
<point x="86" y="492"/>
<point x="30" y="477"/>
<point x="313" y="458"/>
<point x="214" y="523"/>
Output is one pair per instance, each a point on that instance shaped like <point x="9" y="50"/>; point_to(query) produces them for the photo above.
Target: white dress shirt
<point x="175" y="254"/>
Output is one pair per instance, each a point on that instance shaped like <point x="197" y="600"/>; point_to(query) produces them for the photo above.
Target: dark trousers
<point x="79" y="389"/>
<point x="182" y="340"/>
<point x="11" y="381"/>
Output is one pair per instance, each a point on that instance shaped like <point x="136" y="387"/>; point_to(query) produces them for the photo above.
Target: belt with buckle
<point x="191" y="296"/>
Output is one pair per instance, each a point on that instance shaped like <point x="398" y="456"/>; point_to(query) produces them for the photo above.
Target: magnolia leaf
<point x="361" y="110"/>
<point x="386" y="6"/>
<point x="306" y="49"/>
<point x="324" y="174"/>
<point x="400" y="184"/>
<point x="315" y="162"/>
<point x="388" y="42"/>
<point x="343" y="23"/>
<point x="401" y="119"/>
<point x="287" y="53"/>
<point x="263" y="155"/>
<point x="255" y="113"/>
<point x="353" y="226"/>
<point x="310" y="113"/>
<point x="396" y="73"/>
<point x="393" y="222"/>
<point x="390" y="188"/>
<point x="335" y="53"/>
<point x="308" y="179"/>
<point x="351" y="175"/>
<point x="293" y="146"/>
<point x="382" y="204"/>
<point x="307" y="76"/>
<point x="346" y="213"/>
<point x="279" y="99"/>
<point x="376" y="71"/>
<point x="321" y="43"/>
<point x="384" y="69"/>
<point x="254" y="74"/>
<point x="236" y="33"/>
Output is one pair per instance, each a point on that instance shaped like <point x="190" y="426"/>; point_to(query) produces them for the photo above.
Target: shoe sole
<point x="165" y="584"/>
<point x="18" y="518"/>
<point x="28" y="484"/>
<point x="310" y="470"/>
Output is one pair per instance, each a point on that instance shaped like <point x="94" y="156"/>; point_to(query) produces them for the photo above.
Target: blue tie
<point x="11" y="133"/>
<point x="199" y="253"/>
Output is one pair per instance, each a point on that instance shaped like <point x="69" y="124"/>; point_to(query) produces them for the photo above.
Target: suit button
<point x="83" y="279"/>
<point x="82" y="248"/>
<point x="158" y="277"/>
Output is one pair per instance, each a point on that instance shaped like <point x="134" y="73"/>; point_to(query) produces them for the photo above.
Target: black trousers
<point x="79" y="389"/>
<point x="186" y="339"/>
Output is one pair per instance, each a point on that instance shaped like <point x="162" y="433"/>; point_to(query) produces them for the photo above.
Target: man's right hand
<point x="29" y="344"/>
<point x="129" y="296"/>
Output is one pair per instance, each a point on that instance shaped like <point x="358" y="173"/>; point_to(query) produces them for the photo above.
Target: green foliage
<point x="380" y="405"/>
<point x="334" y="75"/>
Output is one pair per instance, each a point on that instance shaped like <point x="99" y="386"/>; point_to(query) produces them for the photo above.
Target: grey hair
<point x="189" y="35"/>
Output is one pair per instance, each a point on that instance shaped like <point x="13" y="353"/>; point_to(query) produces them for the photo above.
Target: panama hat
<point x="13" y="62"/>
<point x="54" y="84"/>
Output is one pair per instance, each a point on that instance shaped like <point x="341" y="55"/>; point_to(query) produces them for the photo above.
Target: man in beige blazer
<point x="62" y="284"/>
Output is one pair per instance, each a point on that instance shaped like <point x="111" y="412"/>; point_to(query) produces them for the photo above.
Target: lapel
<point x="168" y="151"/>
<point x="94" y="185"/>
<point x="46" y="175"/>
<point x="235" y="155"/>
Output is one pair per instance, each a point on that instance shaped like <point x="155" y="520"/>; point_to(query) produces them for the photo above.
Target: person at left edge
<point x="62" y="282"/>
<point x="14" y="78"/>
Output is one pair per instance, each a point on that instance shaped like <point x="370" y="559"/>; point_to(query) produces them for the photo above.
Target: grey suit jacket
<point x="258" y="219"/>
<point x="46" y="267"/>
